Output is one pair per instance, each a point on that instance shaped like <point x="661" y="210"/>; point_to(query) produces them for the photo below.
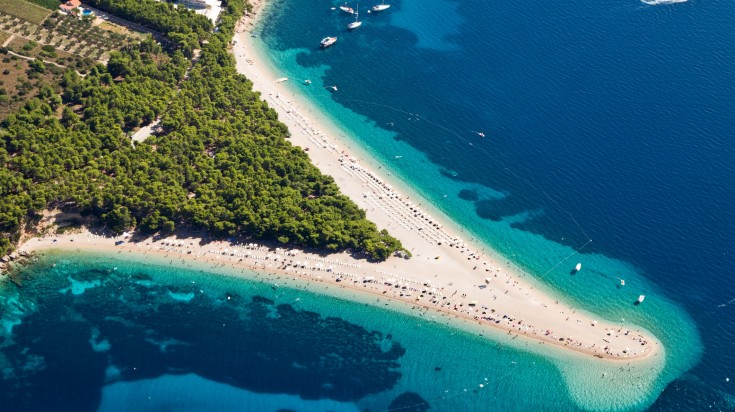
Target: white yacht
<point x="327" y="41"/>
<point x="380" y="7"/>
<point x="347" y="9"/>
<point x="357" y="23"/>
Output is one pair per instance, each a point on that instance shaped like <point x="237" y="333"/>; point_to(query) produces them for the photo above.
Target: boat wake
<point x="659" y="2"/>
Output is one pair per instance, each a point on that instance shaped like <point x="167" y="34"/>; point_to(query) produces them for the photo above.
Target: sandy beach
<point x="502" y="303"/>
<point x="447" y="275"/>
<point x="467" y="282"/>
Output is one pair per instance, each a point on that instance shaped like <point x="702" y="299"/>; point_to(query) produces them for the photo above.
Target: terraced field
<point x="24" y="10"/>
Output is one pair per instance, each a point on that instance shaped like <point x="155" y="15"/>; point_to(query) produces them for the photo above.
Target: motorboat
<point x="327" y="41"/>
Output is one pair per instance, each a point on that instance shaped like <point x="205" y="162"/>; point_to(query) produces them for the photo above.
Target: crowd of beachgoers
<point x="435" y="299"/>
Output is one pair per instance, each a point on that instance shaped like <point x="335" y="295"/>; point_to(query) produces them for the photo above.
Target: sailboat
<point x="380" y="7"/>
<point x="347" y="9"/>
<point x="357" y="23"/>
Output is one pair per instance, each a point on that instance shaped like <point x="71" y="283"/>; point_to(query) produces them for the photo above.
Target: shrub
<point x="30" y="45"/>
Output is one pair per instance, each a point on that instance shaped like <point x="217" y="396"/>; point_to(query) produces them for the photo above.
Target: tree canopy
<point x="182" y="26"/>
<point x="221" y="162"/>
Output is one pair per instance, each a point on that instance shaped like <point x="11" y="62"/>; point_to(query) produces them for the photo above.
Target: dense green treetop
<point x="221" y="161"/>
<point x="182" y="26"/>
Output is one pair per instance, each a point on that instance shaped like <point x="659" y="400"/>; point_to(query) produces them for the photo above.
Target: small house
<point x="70" y="5"/>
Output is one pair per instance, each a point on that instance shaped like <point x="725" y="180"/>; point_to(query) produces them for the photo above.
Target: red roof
<point x="70" y="5"/>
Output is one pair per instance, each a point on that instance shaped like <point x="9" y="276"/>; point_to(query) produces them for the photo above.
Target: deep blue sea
<point x="607" y="121"/>
<point x="610" y="121"/>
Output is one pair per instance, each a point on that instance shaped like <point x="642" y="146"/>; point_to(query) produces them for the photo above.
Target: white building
<point x="209" y="8"/>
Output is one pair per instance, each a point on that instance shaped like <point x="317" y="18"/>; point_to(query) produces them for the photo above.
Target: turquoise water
<point x="143" y="334"/>
<point x="603" y="122"/>
<point x="606" y="121"/>
<point x="130" y="339"/>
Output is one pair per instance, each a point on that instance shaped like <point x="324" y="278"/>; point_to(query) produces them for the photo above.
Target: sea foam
<point x="659" y="2"/>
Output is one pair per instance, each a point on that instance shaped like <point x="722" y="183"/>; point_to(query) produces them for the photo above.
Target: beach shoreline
<point x="331" y="152"/>
<point x="341" y="271"/>
<point x="446" y="274"/>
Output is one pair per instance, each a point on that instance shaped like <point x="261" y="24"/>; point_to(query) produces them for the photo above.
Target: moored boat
<point x="578" y="267"/>
<point x="347" y="9"/>
<point x="640" y="299"/>
<point x="327" y="41"/>
<point x="357" y="23"/>
<point x="380" y="7"/>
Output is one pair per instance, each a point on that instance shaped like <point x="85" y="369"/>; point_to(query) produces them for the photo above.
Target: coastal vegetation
<point x="182" y="26"/>
<point x="219" y="162"/>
